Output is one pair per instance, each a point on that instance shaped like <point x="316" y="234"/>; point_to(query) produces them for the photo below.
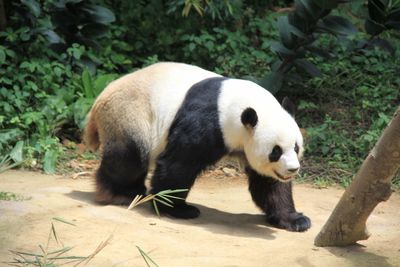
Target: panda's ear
<point x="249" y="117"/>
<point x="289" y="106"/>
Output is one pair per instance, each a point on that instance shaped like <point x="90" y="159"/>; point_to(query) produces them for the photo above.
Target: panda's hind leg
<point x="122" y="173"/>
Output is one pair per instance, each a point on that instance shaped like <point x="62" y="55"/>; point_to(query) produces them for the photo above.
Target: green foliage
<point x="216" y="9"/>
<point x="346" y="112"/>
<point x="47" y="99"/>
<point x="298" y="31"/>
<point x="9" y="196"/>
<point x="51" y="69"/>
<point x="383" y="15"/>
<point x="63" y="23"/>
<point x="232" y="53"/>
<point x="57" y="256"/>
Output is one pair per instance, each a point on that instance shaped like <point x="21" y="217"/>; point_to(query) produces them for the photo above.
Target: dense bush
<point x="51" y="72"/>
<point x="346" y="110"/>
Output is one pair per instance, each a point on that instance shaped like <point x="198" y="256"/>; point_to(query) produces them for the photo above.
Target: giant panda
<point x="181" y="119"/>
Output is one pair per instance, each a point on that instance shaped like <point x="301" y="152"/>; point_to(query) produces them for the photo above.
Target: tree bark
<point x="371" y="185"/>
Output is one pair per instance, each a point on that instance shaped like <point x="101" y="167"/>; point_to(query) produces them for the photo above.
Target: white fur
<point x="170" y="83"/>
<point x="275" y="127"/>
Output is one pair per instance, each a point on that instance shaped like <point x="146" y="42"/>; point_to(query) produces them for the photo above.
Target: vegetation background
<point x="337" y="60"/>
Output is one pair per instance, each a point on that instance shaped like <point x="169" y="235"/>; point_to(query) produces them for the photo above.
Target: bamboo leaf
<point x="63" y="221"/>
<point x="135" y="201"/>
<point x="166" y="198"/>
<point x="173" y="191"/>
<point x="139" y="199"/>
<point x="63" y="250"/>
<point x="156" y="208"/>
<point x="163" y="202"/>
<point x="175" y="197"/>
<point x="146" y="257"/>
<point x="54" y="232"/>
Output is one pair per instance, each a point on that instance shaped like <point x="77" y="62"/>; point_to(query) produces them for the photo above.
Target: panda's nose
<point x="293" y="170"/>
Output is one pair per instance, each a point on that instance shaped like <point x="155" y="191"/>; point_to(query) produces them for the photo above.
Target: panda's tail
<point x="91" y="133"/>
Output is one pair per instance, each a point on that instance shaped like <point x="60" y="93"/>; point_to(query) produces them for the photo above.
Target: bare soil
<point x="230" y="231"/>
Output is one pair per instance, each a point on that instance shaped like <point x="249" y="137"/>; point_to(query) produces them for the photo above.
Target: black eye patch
<point x="296" y="148"/>
<point x="275" y="154"/>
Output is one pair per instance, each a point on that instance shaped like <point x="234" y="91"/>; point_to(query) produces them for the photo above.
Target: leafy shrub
<point x="344" y="109"/>
<point x="347" y="110"/>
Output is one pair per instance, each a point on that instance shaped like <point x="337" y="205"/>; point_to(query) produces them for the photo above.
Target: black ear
<point x="249" y="117"/>
<point x="288" y="106"/>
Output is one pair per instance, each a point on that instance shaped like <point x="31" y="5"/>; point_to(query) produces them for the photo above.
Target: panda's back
<point x="143" y="104"/>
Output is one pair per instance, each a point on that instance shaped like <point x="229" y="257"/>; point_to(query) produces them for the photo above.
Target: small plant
<point x="13" y="159"/>
<point x="163" y="197"/>
<point x="146" y="258"/>
<point x="384" y="15"/>
<point x="57" y="257"/>
<point x="9" y="196"/>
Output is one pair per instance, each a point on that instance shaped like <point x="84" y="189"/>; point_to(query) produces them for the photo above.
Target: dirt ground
<point x="230" y="231"/>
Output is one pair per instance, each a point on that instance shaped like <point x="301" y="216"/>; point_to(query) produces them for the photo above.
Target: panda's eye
<point x="296" y="148"/>
<point x="275" y="154"/>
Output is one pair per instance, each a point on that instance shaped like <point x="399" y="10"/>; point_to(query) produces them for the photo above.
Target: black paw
<point x="298" y="222"/>
<point x="295" y="222"/>
<point x="181" y="211"/>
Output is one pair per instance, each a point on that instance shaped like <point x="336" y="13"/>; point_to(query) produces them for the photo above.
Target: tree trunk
<point x="3" y="21"/>
<point x="371" y="185"/>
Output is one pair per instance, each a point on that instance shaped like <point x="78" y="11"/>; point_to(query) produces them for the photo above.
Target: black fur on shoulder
<point x="276" y="200"/>
<point x="195" y="141"/>
<point x="122" y="172"/>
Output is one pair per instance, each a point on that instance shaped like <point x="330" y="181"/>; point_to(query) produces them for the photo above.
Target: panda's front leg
<point x="175" y="174"/>
<point x="276" y="200"/>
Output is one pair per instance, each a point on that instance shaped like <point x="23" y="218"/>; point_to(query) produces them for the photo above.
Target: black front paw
<point x="295" y="222"/>
<point x="180" y="211"/>
<point x="298" y="222"/>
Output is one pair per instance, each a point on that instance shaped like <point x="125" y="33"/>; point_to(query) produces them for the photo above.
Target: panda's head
<point x="274" y="143"/>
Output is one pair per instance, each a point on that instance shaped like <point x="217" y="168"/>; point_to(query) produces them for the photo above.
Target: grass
<point x="147" y="258"/>
<point x="9" y="196"/>
<point x="47" y="257"/>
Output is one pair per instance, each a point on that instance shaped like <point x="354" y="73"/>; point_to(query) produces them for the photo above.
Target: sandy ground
<point x="230" y="231"/>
